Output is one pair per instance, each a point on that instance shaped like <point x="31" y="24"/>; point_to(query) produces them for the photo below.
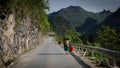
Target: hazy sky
<point x="89" y="5"/>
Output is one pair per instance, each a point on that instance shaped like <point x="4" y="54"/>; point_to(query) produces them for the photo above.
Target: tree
<point x="35" y="9"/>
<point x="108" y="38"/>
<point x="73" y="36"/>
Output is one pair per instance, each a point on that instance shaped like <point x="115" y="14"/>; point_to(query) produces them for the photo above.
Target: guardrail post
<point x="82" y="51"/>
<point x="114" y="64"/>
<point x="85" y="53"/>
<point x="92" y="54"/>
<point x="79" y="49"/>
<point x="76" y="48"/>
<point x="101" y="57"/>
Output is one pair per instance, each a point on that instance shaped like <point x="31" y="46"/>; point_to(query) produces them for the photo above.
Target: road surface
<point x="48" y="55"/>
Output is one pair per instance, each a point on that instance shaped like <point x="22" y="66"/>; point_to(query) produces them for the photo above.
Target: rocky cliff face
<point x="15" y="40"/>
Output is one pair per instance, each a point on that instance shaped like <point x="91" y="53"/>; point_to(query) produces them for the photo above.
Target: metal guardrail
<point x="114" y="55"/>
<point x="111" y="53"/>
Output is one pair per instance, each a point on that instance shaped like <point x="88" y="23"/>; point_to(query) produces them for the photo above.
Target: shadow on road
<point x="84" y="65"/>
<point x="51" y="54"/>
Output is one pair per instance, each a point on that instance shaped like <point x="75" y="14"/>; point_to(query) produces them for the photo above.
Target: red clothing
<point x="70" y="48"/>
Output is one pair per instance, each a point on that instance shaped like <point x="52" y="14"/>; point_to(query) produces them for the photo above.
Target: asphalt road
<point x="48" y="55"/>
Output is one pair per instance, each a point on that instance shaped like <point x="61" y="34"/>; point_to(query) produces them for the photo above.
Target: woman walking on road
<point x="66" y="45"/>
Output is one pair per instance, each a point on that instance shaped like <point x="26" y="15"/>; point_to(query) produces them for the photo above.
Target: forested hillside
<point x="109" y="34"/>
<point x="80" y="20"/>
<point x="113" y="20"/>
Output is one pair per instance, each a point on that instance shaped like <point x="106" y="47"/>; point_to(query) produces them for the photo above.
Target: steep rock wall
<point x="15" y="40"/>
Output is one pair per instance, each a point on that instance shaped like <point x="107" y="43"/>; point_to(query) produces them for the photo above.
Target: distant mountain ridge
<point x="78" y="19"/>
<point x="113" y="20"/>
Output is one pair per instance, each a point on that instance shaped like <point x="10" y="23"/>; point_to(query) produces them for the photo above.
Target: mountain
<point x="113" y="20"/>
<point x="62" y="23"/>
<point x="77" y="18"/>
<point x="91" y="22"/>
<point x="74" y="14"/>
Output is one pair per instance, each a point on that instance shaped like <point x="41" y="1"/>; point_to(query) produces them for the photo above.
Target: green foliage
<point x="96" y="44"/>
<point x="59" y="25"/>
<point x="58" y="38"/>
<point x="45" y="26"/>
<point x="35" y="9"/>
<point x="108" y="38"/>
<point x="88" y="43"/>
<point x="67" y="36"/>
<point x="73" y="36"/>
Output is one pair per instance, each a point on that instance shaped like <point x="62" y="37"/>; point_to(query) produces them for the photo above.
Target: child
<point x="70" y="48"/>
